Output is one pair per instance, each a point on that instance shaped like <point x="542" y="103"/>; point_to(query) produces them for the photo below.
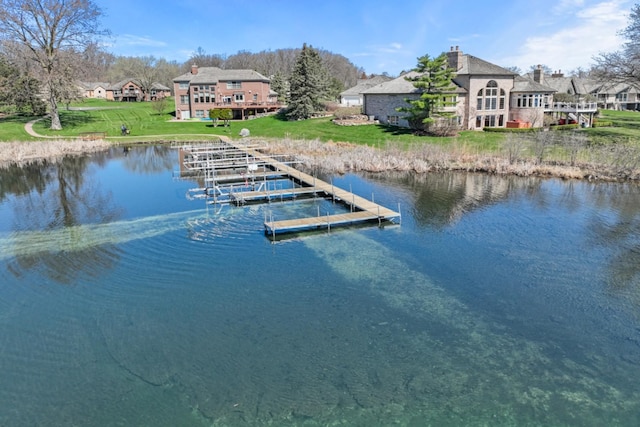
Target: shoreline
<point x="340" y="158"/>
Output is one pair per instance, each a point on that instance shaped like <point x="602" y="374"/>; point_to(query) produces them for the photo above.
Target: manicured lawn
<point x="147" y="124"/>
<point x="12" y="128"/>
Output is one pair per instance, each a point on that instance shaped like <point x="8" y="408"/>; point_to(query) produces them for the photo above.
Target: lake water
<point x="497" y="301"/>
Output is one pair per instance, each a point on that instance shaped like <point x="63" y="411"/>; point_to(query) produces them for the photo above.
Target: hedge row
<point x="510" y="130"/>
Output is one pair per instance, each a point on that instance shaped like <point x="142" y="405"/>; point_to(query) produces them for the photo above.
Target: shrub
<point x="565" y="127"/>
<point x="510" y="130"/>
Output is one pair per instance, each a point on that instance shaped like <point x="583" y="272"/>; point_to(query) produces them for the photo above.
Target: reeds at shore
<point x="424" y="158"/>
<point x="600" y="163"/>
<point x="23" y="153"/>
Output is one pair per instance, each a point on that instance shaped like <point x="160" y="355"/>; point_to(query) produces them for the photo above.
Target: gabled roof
<point x="119" y="85"/>
<point x="395" y="86"/>
<point x="93" y="85"/>
<point x="401" y="85"/>
<point x="523" y="84"/>
<point x="364" y="84"/>
<point x="159" y="86"/>
<point x="479" y="67"/>
<point x="212" y="75"/>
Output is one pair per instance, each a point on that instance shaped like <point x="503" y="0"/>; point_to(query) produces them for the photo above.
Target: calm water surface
<point x="498" y="301"/>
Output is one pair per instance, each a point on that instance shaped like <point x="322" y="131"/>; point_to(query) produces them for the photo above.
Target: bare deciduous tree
<point x="50" y="31"/>
<point x="622" y="66"/>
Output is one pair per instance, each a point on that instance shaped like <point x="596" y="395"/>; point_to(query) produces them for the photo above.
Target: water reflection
<point x="494" y="318"/>
<point x="442" y="199"/>
<point x="150" y="159"/>
<point x="617" y="223"/>
<point x="59" y="196"/>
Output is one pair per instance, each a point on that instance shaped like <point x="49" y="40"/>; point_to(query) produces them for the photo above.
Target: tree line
<point x="46" y="47"/>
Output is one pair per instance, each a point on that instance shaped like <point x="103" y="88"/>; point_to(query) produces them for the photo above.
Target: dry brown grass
<point x="423" y="158"/>
<point x="22" y="153"/>
<point x="604" y="163"/>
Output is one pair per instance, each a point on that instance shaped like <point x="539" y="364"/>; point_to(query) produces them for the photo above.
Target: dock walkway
<point x="234" y="155"/>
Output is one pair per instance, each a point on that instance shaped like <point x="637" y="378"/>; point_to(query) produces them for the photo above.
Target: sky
<point x="380" y="36"/>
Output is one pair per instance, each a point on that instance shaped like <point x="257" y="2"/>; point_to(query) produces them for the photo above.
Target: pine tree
<point x="434" y="81"/>
<point x="308" y="84"/>
<point x="280" y="85"/>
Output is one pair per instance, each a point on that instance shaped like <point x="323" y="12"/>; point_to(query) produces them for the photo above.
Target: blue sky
<point x="379" y="36"/>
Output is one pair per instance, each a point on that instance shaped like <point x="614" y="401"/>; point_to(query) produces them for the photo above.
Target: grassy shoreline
<point x="341" y="158"/>
<point x="599" y="153"/>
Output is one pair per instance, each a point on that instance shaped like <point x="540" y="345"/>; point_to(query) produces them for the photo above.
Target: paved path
<point x="28" y="127"/>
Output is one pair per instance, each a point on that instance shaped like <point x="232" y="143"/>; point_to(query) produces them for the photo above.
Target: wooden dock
<point x="236" y="153"/>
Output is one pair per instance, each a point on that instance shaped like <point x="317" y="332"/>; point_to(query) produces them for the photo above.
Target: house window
<point x="489" y="121"/>
<point x="184" y="99"/>
<point x="238" y="97"/>
<point x="531" y="100"/>
<point x="200" y="114"/>
<point x="234" y="85"/>
<point x="393" y="120"/>
<point x="622" y="97"/>
<point x="184" y="85"/>
<point x="226" y="99"/>
<point x="488" y="96"/>
<point x="255" y="97"/>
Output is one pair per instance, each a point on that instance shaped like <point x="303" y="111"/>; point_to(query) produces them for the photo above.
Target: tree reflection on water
<point x="54" y="196"/>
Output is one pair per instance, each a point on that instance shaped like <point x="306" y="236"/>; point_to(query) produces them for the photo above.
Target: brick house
<point x="130" y="90"/>
<point x="486" y="95"/>
<point x="245" y="92"/>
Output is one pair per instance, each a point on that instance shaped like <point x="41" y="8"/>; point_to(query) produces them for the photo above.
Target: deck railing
<point x="573" y="107"/>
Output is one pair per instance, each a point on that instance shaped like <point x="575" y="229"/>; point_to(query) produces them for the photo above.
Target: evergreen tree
<point x="434" y="82"/>
<point x="280" y="85"/>
<point x="308" y="84"/>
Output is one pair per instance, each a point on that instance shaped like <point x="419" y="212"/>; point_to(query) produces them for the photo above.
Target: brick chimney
<point x="455" y="58"/>
<point x="557" y="74"/>
<point x="538" y="74"/>
<point x="194" y="69"/>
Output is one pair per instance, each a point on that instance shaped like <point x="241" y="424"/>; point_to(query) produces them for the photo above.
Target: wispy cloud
<point x="133" y="40"/>
<point x="591" y="30"/>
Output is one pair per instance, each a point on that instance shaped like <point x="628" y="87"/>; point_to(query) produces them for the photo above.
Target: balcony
<point x="572" y="107"/>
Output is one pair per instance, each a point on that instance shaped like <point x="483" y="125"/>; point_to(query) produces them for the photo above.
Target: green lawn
<point x="12" y="128"/>
<point x="148" y="125"/>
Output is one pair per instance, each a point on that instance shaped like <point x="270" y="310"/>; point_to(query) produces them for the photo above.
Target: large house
<point x="245" y="92"/>
<point x="610" y="96"/>
<point x="485" y="95"/>
<point x="129" y="90"/>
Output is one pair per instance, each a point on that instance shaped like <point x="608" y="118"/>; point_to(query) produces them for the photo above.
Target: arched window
<point x="488" y="97"/>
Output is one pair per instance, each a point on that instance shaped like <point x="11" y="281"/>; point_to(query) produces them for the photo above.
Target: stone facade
<point x="487" y="96"/>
